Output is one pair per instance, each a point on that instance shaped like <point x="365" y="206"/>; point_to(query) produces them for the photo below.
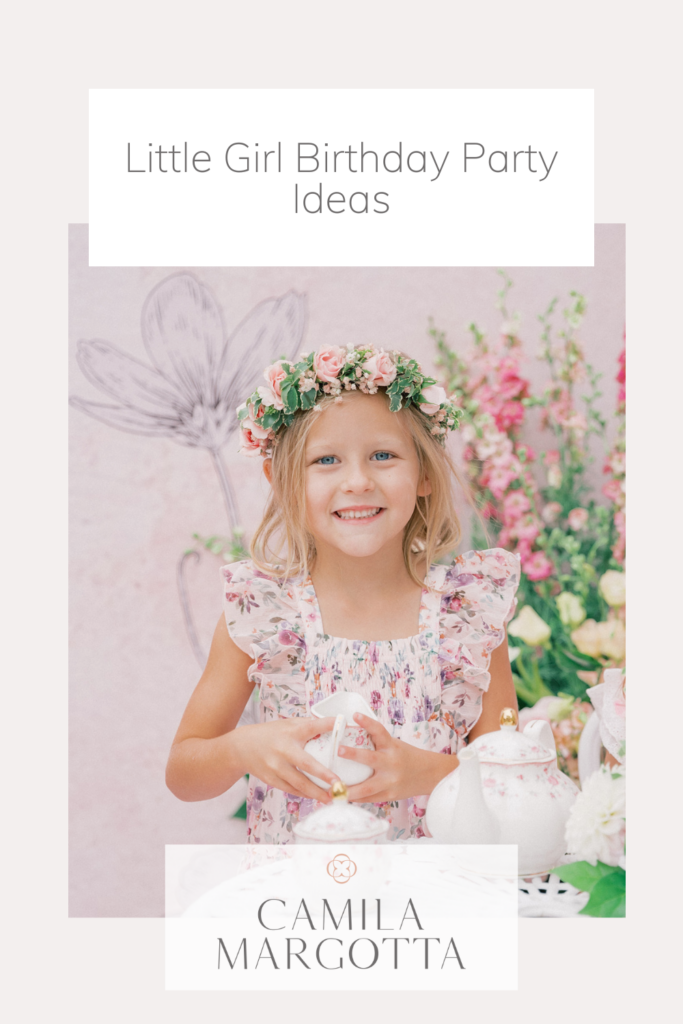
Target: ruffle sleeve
<point x="478" y="599"/>
<point x="263" y="618"/>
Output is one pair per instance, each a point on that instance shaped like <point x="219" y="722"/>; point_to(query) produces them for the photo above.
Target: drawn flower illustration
<point x="198" y="375"/>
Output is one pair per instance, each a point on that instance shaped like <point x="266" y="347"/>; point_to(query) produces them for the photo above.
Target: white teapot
<point x="507" y="789"/>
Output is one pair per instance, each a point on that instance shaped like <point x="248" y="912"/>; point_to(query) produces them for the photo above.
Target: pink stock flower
<point x="612" y="490"/>
<point x="621" y="380"/>
<point x="328" y="363"/>
<point x="616" y="463"/>
<point x="511" y="414"/>
<point x="515" y="505"/>
<point x="577" y="518"/>
<point x="436" y="396"/>
<point x="527" y="451"/>
<point x="552" y="457"/>
<point x="498" y="479"/>
<point x="382" y="370"/>
<point x="528" y="531"/>
<point x="550" y="512"/>
<point x="537" y="566"/>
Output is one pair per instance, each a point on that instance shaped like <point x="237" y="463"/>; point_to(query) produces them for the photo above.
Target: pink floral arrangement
<point x="571" y="616"/>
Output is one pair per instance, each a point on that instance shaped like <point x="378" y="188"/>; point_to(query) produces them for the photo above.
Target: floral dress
<point x="426" y="689"/>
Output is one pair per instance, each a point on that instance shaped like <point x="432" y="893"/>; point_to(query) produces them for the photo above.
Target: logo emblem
<point x="341" y="868"/>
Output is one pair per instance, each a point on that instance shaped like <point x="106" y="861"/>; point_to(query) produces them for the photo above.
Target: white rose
<point x="607" y="639"/>
<point x="612" y="586"/>
<point x="570" y="607"/>
<point x="530" y="627"/>
<point x="613" y="639"/>
<point x="587" y="639"/>
<point x="597" y="822"/>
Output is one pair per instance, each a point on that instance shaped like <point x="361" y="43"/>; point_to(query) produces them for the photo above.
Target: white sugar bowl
<point x="341" y="822"/>
<point x="345" y="732"/>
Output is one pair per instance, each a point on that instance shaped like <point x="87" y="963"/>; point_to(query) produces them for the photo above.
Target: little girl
<point x="344" y="591"/>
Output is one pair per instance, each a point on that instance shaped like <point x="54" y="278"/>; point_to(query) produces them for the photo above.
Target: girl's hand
<point x="274" y="751"/>
<point x="400" y="769"/>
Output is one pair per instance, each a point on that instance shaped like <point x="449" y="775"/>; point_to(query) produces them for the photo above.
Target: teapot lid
<point x="340" y="821"/>
<point x="508" y="746"/>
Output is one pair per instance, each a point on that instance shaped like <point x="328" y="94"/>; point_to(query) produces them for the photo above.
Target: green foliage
<point x="605" y="884"/>
<point x="230" y="549"/>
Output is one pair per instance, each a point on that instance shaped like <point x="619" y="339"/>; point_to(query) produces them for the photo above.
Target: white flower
<point x="570" y="607"/>
<point x="596" y="827"/>
<point x="530" y="627"/>
<point x="612" y="586"/>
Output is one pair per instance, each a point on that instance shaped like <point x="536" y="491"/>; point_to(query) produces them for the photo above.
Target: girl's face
<point x="362" y="476"/>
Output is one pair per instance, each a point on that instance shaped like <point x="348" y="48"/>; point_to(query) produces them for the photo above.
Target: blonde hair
<point x="432" y="530"/>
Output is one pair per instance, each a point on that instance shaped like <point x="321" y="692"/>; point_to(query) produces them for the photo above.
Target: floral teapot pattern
<point x="507" y="789"/>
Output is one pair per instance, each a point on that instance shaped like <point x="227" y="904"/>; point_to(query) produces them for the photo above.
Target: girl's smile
<point x="358" y="513"/>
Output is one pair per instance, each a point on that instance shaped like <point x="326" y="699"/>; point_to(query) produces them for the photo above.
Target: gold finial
<point x="338" y="790"/>
<point x="508" y="716"/>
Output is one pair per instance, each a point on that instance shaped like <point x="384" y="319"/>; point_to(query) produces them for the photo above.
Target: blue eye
<point x="382" y="456"/>
<point x="327" y="460"/>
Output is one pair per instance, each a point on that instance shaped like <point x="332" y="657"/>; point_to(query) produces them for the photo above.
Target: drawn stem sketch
<point x="198" y="377"/>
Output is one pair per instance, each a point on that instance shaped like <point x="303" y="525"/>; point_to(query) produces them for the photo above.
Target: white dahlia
<point x="597" y="823"/>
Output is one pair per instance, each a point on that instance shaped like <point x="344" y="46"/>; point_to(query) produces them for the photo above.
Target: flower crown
<point x="329" y="372"/>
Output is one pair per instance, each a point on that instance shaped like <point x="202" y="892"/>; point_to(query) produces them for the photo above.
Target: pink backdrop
<point x="135" y="502"/>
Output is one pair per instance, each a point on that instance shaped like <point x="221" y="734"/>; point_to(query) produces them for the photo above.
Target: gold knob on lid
<point x="508" y="716"/>
<point x="338" y="791"/>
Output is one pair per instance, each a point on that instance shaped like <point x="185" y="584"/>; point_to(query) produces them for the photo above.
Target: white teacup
<point x="324" y="748"/>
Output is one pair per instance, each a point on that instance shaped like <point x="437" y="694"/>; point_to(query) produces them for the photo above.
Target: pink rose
<point x="577" y="518"/>
<point x="271" y="395"/>
<point x="435" y="398"/>
<point x="328" y="363"/>
<point x="292" y="807"/>
<point x="382" y="370"/>
<point x="254" y="429"/>
<point x="538" y="566"/>
<point x="515" y="505"/>
<point x="552" y="457"/>
<point x="253" y="437"/>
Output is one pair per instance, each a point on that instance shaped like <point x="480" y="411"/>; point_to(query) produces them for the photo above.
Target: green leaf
<point x="290" y="398"/>
<point x="308" y="398"/>
<point x="271" y="420"/>
<point x="608" y="898"/>
<point x="582" y="875"/>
